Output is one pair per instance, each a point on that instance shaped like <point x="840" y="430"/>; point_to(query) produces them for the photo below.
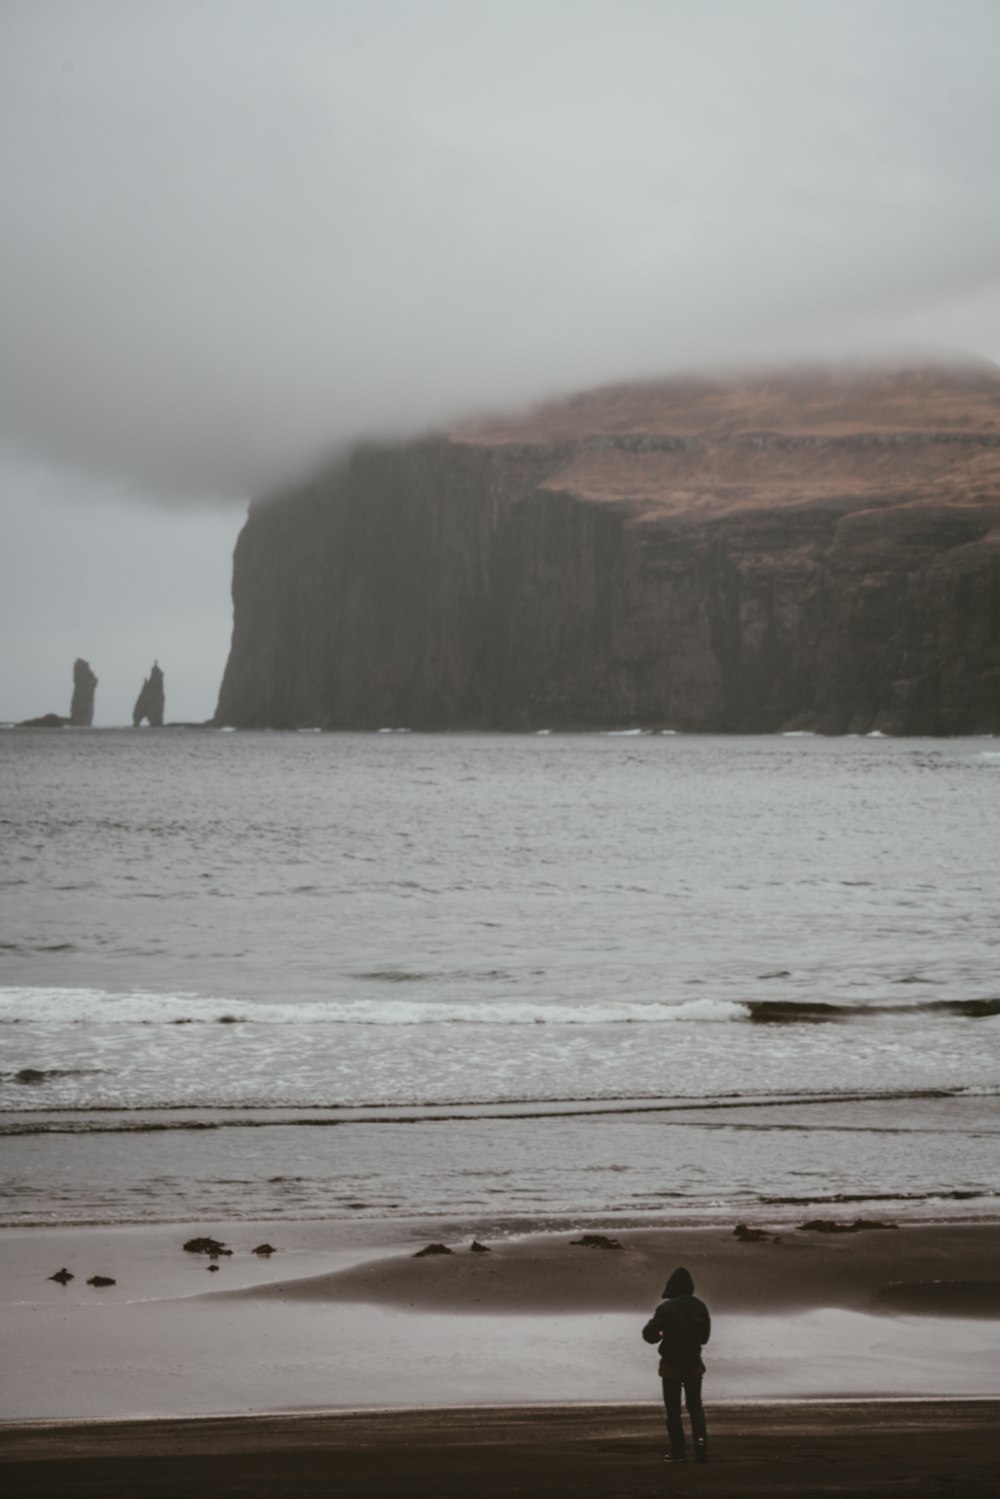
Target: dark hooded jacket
<point x="681" y="1324"/>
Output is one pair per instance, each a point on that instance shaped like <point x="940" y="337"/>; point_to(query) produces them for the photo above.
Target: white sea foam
<point x="98" y="1006"/>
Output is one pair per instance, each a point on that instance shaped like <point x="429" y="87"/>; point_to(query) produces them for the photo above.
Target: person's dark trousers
<point x="691" y="1385"/>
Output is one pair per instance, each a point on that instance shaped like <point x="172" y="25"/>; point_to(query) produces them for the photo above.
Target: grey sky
<point x="236" y="233"/>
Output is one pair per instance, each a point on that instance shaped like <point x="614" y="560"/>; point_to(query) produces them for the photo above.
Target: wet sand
<point x="339" y="1320"/>
<point x="865" y="1449"/>
<point x="950" y="1269"/>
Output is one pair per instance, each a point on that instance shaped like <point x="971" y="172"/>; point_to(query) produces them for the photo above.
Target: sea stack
<point x="150" y="702"/>
<point x="81" y="709"/>
<point x="817" y="549"/>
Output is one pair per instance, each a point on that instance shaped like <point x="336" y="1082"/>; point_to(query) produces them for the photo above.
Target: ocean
<point x="497" y="979"/>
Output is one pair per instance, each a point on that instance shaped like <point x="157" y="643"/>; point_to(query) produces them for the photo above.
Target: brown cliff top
<point x="711" y="445"/>
<point x="822" y="400"/>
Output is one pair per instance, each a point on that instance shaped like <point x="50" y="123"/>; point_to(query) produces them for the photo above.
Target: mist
<point x="240" y="233"/>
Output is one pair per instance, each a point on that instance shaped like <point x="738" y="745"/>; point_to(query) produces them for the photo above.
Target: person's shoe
<point x="701" y="1452"/>
<point x="670" y="1457"/>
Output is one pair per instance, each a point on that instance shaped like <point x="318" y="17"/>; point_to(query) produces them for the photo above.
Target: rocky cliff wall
<point x="733" y="581"/>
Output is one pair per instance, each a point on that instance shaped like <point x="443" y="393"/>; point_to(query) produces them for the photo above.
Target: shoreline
<point x="588" y="1450"/>
<point x="12" y="1431"/>
<point x="782" y="1218"/>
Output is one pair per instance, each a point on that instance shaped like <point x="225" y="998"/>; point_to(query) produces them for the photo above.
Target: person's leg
<point x="696" y="1414"/>
<point x="672" y="1402"/>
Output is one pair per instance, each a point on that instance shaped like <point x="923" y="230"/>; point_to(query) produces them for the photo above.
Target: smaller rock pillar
<point x="150" y="702"/>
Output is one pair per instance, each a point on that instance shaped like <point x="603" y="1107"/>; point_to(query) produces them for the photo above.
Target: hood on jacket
<point x="680" y="1283"/>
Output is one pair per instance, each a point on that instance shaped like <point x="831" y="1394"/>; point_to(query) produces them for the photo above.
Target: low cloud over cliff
<point x="238" y="232"/>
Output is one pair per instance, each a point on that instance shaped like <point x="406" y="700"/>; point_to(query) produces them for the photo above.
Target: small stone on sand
<point x="747" y="1235"/>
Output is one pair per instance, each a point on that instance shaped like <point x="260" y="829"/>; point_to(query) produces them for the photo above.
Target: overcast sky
<point x="237" y="233"/>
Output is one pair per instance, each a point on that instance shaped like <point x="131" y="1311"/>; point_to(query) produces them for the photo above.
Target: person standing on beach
<point x="681" y="1326"/>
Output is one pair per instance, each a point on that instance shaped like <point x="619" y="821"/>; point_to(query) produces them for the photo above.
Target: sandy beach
<point x="907" y="1448"/>
<point x="352" y="1318"/>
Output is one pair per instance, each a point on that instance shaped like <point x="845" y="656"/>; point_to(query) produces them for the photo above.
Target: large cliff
<point x="818" y="549"/>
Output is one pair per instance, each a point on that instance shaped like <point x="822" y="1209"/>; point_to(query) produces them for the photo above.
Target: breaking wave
<point x="48" y="1006"/>
<point x="96" y="1006"/>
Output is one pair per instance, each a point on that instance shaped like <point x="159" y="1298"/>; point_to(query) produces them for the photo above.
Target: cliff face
<point x="807" y="551"/>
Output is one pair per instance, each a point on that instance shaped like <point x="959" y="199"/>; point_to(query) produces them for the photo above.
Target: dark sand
<point x="938" y="1269"/>
<point x="865" y="1449"/>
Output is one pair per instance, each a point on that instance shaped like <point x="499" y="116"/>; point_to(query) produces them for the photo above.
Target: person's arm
<point x="707" y="1325"/>
<point x="653" y="1330"/>
<point x="651" y="1333"/>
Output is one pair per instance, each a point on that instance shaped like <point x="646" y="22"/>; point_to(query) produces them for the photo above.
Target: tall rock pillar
<point x="81" y="708"/>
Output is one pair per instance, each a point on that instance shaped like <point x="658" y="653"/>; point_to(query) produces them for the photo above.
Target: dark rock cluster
<point x="64" y="1276"/>
<point x="204" y="1244"/>
<point x="748" y="1235"/>
<point x="841" y="1226"/>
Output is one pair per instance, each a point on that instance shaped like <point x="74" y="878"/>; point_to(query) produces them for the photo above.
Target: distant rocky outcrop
<point x="150" y="703"/>
<point x="81" y="708"/>
<point x="814" y="550"/>
<point x="46" y="721"/>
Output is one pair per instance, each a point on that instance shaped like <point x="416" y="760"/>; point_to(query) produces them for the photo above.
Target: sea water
<point x="497" y="978"/>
